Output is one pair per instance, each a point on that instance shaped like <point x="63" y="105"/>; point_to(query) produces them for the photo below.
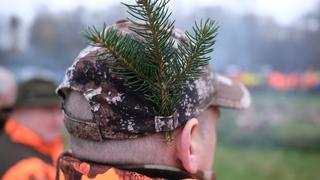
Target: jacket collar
<point x="70" y="167"/>
<point x="21" y="134"/>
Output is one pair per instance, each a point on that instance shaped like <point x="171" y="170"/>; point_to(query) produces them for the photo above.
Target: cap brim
<point x="230" y="93"/>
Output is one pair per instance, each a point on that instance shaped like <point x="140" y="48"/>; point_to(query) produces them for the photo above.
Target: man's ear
<point x="187" y="146"/>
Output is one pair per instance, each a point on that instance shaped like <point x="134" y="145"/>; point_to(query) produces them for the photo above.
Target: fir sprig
<point x="127" y="60"/>
<point x="155" y="27"/>
<point x="153" y="65"/>
<point x="194" y="53"/>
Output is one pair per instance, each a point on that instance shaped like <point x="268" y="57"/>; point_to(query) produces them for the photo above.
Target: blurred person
<point x="8" y="93"/>
<point x="120" y="132"/>
<point x="31" y="141"/>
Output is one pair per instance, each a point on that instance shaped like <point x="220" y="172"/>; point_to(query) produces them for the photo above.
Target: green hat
<point x="37" y="92"/>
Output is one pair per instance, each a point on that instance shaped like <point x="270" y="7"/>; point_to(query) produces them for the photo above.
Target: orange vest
<point x="70" y="167"/>
<point x="40" y="158"/>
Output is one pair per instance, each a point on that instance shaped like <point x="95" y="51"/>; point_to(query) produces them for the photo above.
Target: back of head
<point x="101" y="109"/>
<point x="133" y="151"/>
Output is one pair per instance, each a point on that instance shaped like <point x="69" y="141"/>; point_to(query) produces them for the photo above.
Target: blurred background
<point x="272" y="46"/>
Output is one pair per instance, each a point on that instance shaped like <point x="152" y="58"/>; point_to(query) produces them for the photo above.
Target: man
<point x="8" y="89"/>
<point x="116" y="130"/>
<point x="31" y="141"/>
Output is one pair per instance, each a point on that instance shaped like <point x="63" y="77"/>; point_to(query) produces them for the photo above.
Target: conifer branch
<point x="156" y="29"/>
<point x="193" y="53"/>
<point x="153" y="65"/>
<point x="121" y="48"/>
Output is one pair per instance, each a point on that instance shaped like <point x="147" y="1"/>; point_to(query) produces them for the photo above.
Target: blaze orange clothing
<point x="309" y="79"/>
<point x="31" y="168"/>
<point x="39" y="159"/>
<point x="277" y="81"/>
<point x="72" y="168"/>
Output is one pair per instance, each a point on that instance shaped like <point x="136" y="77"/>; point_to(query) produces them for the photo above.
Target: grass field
<point x="234" y="163"/>
<point x="277" y="139"/>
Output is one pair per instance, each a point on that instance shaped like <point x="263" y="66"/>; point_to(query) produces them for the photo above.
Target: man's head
<point x="192" y="147"/>
<point x="38" y="108"/>
<point x="8" y="90"/>
<point x="109" y="122"/>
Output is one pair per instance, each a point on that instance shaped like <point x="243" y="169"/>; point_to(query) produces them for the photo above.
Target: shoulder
<point x="18" y="157"/>
<point x="30" y="168"/>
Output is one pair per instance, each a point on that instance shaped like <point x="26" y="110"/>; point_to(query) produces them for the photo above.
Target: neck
<point x="117" y="151"/>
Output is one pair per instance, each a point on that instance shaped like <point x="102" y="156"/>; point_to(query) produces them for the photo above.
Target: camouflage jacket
<point x="70" y="167"/>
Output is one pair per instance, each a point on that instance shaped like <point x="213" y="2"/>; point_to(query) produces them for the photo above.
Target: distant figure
<point x="8" y="93"/>
<point x="31" y="141"/>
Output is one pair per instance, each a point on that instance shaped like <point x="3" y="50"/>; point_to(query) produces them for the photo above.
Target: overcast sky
<point x="284" y="11"/>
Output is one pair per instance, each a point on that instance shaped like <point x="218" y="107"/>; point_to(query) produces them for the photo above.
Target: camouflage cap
<point x="120" y="113"/>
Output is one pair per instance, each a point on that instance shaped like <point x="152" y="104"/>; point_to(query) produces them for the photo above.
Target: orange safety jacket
<point x="25" y="156"/>
<point x="70" y="167"/>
